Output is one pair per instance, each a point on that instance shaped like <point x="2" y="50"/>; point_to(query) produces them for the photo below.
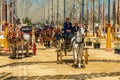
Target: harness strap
<point x="79" y="43"/>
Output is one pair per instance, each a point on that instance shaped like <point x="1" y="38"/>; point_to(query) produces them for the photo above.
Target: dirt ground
<point x="102" y="65"/>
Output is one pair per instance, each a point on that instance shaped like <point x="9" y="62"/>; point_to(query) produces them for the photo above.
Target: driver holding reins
<point x="67" y="28"/>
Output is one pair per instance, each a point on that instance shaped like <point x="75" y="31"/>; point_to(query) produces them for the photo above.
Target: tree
<point x="27" y="21"/>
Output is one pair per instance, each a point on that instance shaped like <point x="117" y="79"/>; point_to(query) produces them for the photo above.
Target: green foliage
<point x="27" y="21"/>
<point x="117" y="45"/>
<point x="96" y="41"/>
<point x="88" y="40"/>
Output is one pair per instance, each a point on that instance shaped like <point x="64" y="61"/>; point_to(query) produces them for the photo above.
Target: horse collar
<point x="77" y="42"/>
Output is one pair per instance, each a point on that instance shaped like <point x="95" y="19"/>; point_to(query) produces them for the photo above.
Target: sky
<point x="34" y="9"/>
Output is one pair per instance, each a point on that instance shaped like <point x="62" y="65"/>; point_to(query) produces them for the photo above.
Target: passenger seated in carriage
<point x="67" y="29"/>
<point x="57" y="34"/>
<point x="75" y="28"/>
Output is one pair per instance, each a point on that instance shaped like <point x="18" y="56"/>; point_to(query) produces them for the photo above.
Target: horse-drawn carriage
<point x="19" y="39"/>
<point x="27" y="30"/>
<point x="73" y="43"/>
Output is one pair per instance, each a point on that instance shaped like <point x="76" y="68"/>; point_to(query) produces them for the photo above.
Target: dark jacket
<point x="57" y="36"/>
<point x="75" y="28"/>
<point x="67" y="26"/>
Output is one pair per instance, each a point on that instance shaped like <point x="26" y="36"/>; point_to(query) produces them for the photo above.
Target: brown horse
<point x="47" y="36"/>
<point x="13" y="38"/>
<point x="16" y="40"/>
<point x="56" y="36"/>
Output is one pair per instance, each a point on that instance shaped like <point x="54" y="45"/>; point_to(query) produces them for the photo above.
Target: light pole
<point x="5" y="3"/>
<point x="1" y="15"/>
<point x="108" y="11"/>
<point x="44" y="11"/>
<point x="80" y="8"/>
<point x="87" y="13"/>
<point x="52" y="10"/>
<point x="99" y="13"/>
<point x="82" y="12"/>
<point x="57" y="13"/>
<point x="118" y="12"/>
<point x="64" y="10"/>
<point x="108" y="41"/>
<point x="48" y="11"/>
<point x="93" y="18"/>
<point x="11" y="11"/>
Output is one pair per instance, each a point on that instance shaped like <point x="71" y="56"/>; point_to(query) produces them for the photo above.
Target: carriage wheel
<point x="83" y="64"/>
<point x="57" y="55"/>
<point x="61" y="55"/>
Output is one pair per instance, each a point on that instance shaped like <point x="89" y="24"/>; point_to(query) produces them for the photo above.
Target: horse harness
<point x="79" y="43"/>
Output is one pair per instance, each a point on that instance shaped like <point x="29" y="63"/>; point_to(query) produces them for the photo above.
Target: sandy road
<point x="102" y="65"/>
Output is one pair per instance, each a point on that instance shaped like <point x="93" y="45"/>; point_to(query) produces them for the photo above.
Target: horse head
<point x="79" y="35"/>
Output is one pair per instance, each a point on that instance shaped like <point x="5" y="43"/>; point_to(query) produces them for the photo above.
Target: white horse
<point x="78" y="46"/>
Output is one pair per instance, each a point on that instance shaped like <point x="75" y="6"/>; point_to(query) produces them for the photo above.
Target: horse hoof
<point x="13" y="57"/>
<point x="59" y="62"/>
<point x="82" y="66"/>
<point x="10" y="56"/>
<point x="75" y="62"/>
<point x="22" y="56"/>
<point x="75" y="65"/>
<point x="79" y="66"/>
<point x="17" y="57"/>
<point x="26" y="55"/>
<point x="86" y="63"/>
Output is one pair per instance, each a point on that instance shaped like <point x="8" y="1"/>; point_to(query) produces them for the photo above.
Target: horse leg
<point x="22" y="47"/>
<point x="75" y="56"/>
<point x="86" y="56"/>
<point x="49" y="44"/>
<point x="10" y="52"/>
<point x="61" y="55"/>
<point x="45" y="44"/>
<point x="14" y="52"/>
<point x="79" y="58"/>
<point x="27" y="49"/>
<point x="17" y="48"/>
<point x="57" y="55"/>
<point x="80" y="54"/>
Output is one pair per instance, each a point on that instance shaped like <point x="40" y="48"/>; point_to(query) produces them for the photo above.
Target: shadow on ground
<point x="6" y="54"/>
<point x="68" y="61"/>
<point x="82" y="76"/>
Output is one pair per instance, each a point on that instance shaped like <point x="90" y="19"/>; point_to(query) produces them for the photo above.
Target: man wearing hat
<point x="67" y="28"/>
